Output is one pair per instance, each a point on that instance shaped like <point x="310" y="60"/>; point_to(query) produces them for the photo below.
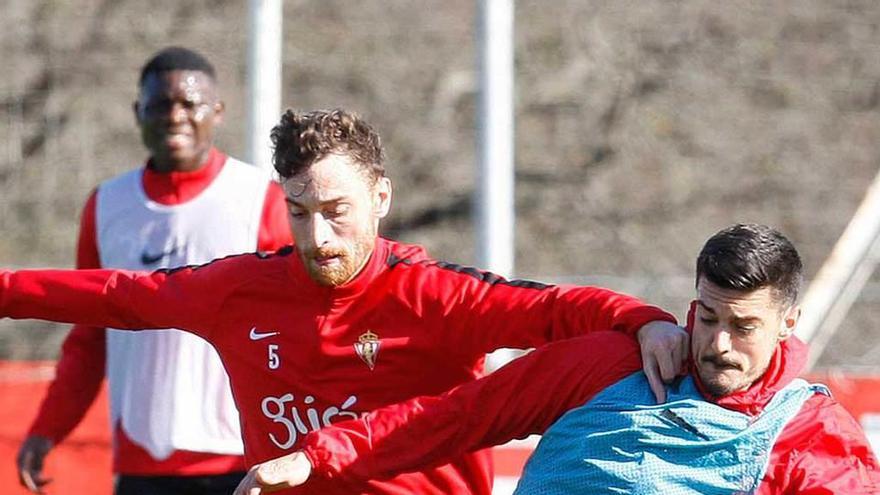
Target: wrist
<point x="302" y="468"/>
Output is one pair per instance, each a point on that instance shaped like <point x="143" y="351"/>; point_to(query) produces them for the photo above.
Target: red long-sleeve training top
<point x="301" y="356"/>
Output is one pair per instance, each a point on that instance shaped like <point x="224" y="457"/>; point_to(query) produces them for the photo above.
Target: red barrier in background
<point x="82" y="464"/>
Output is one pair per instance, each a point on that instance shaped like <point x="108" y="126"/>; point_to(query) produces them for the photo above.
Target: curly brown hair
<point x="302" y="139"/>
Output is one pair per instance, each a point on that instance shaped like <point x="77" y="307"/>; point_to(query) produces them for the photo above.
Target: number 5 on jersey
<point x="274" y="359"/>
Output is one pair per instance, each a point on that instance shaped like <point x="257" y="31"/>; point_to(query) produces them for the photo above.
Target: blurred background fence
<point x="642" y="126"/>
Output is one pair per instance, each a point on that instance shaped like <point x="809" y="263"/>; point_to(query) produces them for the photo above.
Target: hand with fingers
<point x="665" y="347"/>
<point x="30" y="463"/>
<point x="276" y="474"/>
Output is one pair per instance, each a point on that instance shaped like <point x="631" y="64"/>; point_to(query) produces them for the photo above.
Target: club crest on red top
<point x="367" y="347"/>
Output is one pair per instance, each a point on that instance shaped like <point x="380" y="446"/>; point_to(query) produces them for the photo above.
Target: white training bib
<point x="168" y="388"/>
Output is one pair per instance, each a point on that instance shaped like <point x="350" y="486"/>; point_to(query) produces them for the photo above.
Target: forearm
<point x="520" y="399"/>
<point x="105" y="298"/>
<point x="92" y="297"/>
<point x="512" y="317"/>
<point x="581" y="310"/>
<point x="78" y="378"/>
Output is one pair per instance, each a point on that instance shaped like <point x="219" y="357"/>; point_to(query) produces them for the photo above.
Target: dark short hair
<point x="302" y="139"/>
<point x="176" y="58"/>
<point x="749" y="257"/>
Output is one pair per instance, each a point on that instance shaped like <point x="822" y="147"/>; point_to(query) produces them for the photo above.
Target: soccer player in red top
<point x="345" y="321"/>
<point x="188" y="204"/>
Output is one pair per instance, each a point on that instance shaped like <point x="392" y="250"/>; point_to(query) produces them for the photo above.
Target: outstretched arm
<point x="522" y="398"/>
<point x="481" y="312"/>
<point x="186" y="298"/>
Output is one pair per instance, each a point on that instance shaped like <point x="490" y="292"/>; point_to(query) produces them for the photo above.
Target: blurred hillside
<point x="642" y="126"/>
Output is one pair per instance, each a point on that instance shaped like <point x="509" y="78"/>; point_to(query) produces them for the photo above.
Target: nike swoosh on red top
<point x="257" y="336"/>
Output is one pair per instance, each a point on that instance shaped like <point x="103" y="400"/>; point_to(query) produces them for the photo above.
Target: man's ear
<point x="382" y="197"/>
<point x="136" y="108"/>
<point x="219" y="112"/>
<point x="789" y="322"/>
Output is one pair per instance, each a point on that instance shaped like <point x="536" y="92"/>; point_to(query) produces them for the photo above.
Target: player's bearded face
<point x="332" y="266"/>
<point x="334" y="213"/>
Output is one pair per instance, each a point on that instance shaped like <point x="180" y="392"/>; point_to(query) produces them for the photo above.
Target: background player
<point x="175" y="427"/>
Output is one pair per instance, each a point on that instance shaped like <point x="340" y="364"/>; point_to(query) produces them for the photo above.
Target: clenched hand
<point x="276" y="474"/>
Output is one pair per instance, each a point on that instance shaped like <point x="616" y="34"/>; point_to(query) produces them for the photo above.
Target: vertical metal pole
<point x="495" y="205"/>
<point x="494" y="194"/>
<point x="842" y="276"/>
<point x="263" y="79"/>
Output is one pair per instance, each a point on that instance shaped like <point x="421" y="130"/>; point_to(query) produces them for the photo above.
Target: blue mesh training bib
<point x="622" y="442"/>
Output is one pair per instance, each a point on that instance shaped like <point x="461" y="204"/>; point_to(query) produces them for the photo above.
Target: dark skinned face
<point x="176" y="112"/>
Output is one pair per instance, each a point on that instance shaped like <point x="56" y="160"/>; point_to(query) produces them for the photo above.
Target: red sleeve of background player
<point x="822" y="450"/>
<point x="274" y="225"/>
<point x="522" y="398"/>
<point x="480" y="312"/>
<point x="80" y="368"/>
